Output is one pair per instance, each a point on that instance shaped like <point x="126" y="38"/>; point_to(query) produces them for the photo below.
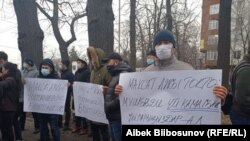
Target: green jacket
<point x="99" y="73"/>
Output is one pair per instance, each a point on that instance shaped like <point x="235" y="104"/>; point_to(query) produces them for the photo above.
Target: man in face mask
<point x="66" y="74"/>
<point x="47" y="71"/>
<point x="164" y="46"/>
<point x="151" y="57"/>
<point x="29" y="71"/>
<point x="115" y="66"/>
<point x="81" y="75"/>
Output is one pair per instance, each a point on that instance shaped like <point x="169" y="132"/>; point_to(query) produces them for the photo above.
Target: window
<point x="212" y="40"/>
<point x="237" y="54"/>
<point x="212" y="55"/>
<point x="213" y="24"/>
<point x="214" y="9"/>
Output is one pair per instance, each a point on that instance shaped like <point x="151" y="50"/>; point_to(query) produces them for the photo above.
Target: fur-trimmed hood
<point x="95" y="56"/>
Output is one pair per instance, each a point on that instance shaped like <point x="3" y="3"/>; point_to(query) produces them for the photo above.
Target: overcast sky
<point x="8" y="32"/>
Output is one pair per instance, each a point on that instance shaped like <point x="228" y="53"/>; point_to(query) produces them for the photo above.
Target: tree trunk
<point x="178" y="55"/>
<point x="63" y="48"/>
<point x="224" y="39"/>
<point x="132" y="35"/>
<point x="100" y="24"/>
<point x="30" y="35"/>
<point x="169" y="16"/>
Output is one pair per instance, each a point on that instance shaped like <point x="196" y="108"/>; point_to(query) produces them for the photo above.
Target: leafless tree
<point x="240" y="29"/>
<point x="65" y="12"/>
<point x="30" y="34"/>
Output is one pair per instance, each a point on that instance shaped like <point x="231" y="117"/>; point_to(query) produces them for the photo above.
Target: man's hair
<point x="3" y="56"/>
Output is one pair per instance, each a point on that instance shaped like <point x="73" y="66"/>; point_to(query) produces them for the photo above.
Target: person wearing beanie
<point x="164" y="46"/>
<point x="66" y="74"/>
<point x="47" y="71"/>
<point x="82" y="74"/>
<point x="29" y="71"/>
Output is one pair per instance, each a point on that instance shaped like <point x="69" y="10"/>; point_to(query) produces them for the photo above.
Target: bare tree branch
<point x="44" y="12"/>
<point x="73" y="36"/>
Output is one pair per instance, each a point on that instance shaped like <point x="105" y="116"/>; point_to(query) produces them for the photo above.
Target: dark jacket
<point x="111" y="101"/>
<point x="52" y="75"/>
<point x="82" y="75"/>
<point x="241" y="95"/>
<point x="68" y="75"/>
<point x="9" y="100"/>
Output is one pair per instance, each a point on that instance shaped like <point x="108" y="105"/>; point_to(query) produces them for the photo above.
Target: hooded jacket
<point x="98" y="71"/>
<point x="111" y="101"/>
<point x="53" y="74"/>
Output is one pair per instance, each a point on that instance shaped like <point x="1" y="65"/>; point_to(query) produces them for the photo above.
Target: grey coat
<point x="169" y="65"/>
<point x="28" y="73"/>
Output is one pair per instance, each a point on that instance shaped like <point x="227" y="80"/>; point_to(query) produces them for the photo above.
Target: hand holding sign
<point x="171" y="97"/>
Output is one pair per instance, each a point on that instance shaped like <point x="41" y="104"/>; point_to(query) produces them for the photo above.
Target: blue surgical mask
<point x="150" y="61"/>
<point x="45" y="72"/>
<point x="110" y="68"/>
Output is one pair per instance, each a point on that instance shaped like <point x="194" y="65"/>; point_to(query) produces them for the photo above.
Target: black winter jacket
<point x="111" y="101"/>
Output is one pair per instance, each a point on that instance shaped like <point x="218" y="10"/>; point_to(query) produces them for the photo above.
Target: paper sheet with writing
<point x="170" y="97"/>
<point x="45" y="95"/>
<point x="89" y="101"/>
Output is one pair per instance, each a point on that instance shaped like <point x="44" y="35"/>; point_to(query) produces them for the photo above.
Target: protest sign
<point x="89" y="101"/>
<point x="170" y="97"/>
<point x="45" y="95"/>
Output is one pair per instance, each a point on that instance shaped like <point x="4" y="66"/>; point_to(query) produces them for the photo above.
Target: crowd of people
<point x="103" y="70"/>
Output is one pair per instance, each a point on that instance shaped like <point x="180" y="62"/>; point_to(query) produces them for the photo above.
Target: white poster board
<point x="45" y="95"/>
<point x="89" y="101"/>
<point x="170" y="97"/>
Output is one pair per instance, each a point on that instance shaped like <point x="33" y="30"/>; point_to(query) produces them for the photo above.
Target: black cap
<point x="112" y="55"/>
<point x="29" y="61"/>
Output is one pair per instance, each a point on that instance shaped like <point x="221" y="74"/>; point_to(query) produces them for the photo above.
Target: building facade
<point x="209" y="32"/>
<point x="240" y="31"/>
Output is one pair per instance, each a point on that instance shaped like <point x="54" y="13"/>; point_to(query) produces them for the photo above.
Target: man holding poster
<point x="47" y="71"/>
<point x="164" y="46"/>
<point x="115" y="67"/>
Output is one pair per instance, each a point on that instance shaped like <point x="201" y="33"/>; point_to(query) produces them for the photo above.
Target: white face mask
<point x="164" y="51"/>
<point x="25" y="65"/>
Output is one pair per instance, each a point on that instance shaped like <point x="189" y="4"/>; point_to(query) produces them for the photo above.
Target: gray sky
<point x="8" y="31"/>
